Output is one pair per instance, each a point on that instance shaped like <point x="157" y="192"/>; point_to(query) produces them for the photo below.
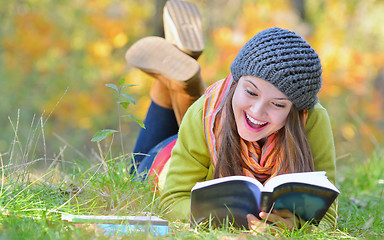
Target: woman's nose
<point x="258" y="107"/>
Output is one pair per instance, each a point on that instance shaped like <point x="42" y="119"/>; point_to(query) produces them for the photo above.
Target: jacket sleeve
<point x="320" y="137"/>
<point x="189" y="163"/>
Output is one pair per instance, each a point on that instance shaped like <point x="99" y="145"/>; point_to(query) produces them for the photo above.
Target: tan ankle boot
<point x="182" y="27"/>
<point x="179" y="72"/>
<point x="184" y="93"/>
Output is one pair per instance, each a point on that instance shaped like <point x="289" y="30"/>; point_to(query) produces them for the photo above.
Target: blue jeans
<point x="160" y="129"/>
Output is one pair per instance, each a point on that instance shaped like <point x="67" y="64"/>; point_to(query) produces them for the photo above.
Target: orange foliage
<point x="33" y="38"/>
<point x="78" y="108"/>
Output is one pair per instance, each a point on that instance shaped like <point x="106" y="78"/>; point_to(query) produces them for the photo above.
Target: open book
<point x="307" y="194"/>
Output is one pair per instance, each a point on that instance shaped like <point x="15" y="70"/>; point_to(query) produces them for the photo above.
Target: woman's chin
<point x="249" y="136"/>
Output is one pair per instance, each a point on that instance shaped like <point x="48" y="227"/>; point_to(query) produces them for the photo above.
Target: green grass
<point x="361" y="206"/>
<point x="31" y="201"/>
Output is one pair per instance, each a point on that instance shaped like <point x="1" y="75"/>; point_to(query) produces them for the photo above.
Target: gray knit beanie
<point x="284" y="59"/>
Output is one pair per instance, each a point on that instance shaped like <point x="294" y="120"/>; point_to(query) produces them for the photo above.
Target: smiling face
<point x="260" y="109"/>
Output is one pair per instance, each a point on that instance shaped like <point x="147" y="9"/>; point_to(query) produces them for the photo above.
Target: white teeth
<point x="254" y="120"/>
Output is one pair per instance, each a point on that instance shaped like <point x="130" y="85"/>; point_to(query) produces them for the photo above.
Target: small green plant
<point x="123" y="100"/>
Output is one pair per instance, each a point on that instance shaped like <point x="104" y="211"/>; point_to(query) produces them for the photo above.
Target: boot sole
<point x="156" y="56"/>
<point x="182" y="25"/>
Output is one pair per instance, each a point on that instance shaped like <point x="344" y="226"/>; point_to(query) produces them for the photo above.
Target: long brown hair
<point x="292" y="144"/>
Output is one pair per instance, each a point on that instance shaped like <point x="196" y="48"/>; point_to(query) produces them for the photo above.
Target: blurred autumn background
<point x="57" y="55"/>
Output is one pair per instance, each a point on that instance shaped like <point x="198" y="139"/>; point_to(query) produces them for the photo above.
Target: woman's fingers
<point x="260" y="226"/>
<point x="282" y="218"/>
<point x="255" y="224"/>
<point x="285" y="213"/>
<point x="270" y="217"/>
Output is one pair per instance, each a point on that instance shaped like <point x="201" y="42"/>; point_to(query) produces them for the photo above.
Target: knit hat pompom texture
<point x="284" y="59"/>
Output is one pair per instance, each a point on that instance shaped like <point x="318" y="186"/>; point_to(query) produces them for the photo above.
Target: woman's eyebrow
<point x="278" y="98"/>
<point x="282" y="99"/>
<point x="252" y="84"/>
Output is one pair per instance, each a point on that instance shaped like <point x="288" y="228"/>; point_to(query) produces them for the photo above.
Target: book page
<point x="227" y="179"/>
<point x="317" y="178"/>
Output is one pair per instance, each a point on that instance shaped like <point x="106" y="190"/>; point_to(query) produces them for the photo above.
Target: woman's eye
<point x="250" y="92"/>
<point x="279" y="105"/>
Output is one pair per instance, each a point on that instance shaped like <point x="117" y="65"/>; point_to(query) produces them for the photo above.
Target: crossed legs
<point x="172" y="62"/>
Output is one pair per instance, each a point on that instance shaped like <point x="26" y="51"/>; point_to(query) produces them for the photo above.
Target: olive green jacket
<point x="190" y="160"/>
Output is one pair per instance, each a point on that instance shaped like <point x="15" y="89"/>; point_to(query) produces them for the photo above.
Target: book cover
<point x="230" y="199"/>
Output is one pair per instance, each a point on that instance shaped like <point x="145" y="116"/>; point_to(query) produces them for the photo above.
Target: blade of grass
<point x="77" y="193"/>
<point x="2" y="174"/>
<point x="24" y="189"/>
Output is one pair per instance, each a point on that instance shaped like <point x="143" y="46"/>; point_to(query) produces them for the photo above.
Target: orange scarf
<point x="260" y="163"/>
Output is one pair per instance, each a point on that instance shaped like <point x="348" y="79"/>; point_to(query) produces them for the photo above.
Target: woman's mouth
<point x="255" y="124"/>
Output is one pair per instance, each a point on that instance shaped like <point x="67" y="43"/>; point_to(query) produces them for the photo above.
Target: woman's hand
<point x="279" y="220"/>
<point x="255" y="224"/>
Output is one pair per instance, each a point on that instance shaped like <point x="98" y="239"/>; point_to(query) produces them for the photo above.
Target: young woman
<point x="263" y="120"/>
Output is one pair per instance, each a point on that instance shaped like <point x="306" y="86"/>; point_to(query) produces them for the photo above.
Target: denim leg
<point x="160" y="123"/>
<point x="146" y="163"/>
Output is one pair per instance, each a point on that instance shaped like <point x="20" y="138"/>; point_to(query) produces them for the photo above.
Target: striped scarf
<point x="258" y="162"/>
